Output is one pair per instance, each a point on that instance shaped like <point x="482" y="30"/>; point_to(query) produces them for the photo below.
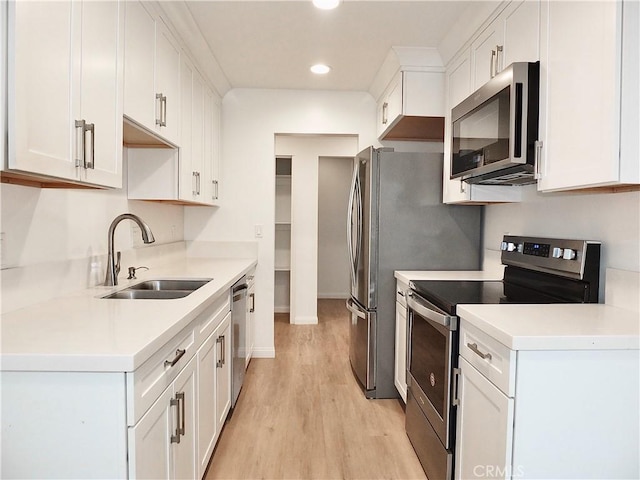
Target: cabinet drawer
<point x="490" y="357"/>
<point x="212" y="316"/>
<point x="146" y="384"/>
<point x="401" y="292"/>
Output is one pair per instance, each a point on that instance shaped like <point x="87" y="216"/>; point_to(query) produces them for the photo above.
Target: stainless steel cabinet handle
<point x="538" y="158"/>
<point x="180" y="398"/>
<point x="161" y="119"/>
<point x="221" y="360"/>
<point x="179" y="354"/>
<point x="401" y="293"/>
<point x="492" y="68"/>
<point x="455" y="398"/>
<point x="198" y="179"/>
<point x="385" y="106"/>
<point x="474" y="348"/>
<point x="91" y="128"/>
<point x="253" y="302"/>
<point x="175" y="402"/>
<point x="214" y="195"/>
<point x="81" y="144"/>
<point x="194" y="183"/>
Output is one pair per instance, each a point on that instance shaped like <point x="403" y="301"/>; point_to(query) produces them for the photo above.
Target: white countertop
<point x="556" y="326"/>
<point x="85" y="333"/>
<point x="407" y="275"/>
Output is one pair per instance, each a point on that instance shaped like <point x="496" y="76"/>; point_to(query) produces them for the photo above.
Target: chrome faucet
<point x="113" y="261"/>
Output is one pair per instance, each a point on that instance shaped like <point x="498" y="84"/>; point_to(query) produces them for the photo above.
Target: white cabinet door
<point x="150" y="441"/>
<point x="101" y="100"/>
<point x="211" y="148"/>
<point x="162" y="445"/>
<point x="187" y="177"/>
<point x="66" y="67"/>
<point x="167" y="82"/>
<point x="185" y="465"/>
<point x="206" y="402"/>
<point x="521" y="22"/>
<point x="580" y="94"/>
<point x="391" y="106"/>
<point x="484" y="427"/>
<point x="197" y="137"/>
<point x="486" y="52"/>
<point x="223" y="371"/>
<point x="251" y="314"/>
<point x="400" y="367"/>
<point x="139" y="64"/>
<point x="44" y="105"/>
<point x="152" y="73"/>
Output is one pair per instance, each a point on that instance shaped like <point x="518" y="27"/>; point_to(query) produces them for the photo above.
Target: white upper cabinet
<point x="152" y="73"/>
<point x="211" y="146"/>
<point x="589" y="95"/>
<point x="511" y="37"/>
<point x="412" y="107"/>
<point x="65" y="52"/>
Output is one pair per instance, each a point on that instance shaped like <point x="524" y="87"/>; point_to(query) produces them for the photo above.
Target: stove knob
<point x="503" y="246"/>
<point x="569" y="254"/>
<point x="511" y="247"/>
<point x="557" y="252"/>
<point x="520" y="247"/>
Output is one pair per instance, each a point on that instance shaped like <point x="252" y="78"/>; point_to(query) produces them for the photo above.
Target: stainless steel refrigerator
<point x="397" y="221"/>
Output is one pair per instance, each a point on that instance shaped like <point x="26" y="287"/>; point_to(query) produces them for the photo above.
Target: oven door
<point x="431" y="356"/>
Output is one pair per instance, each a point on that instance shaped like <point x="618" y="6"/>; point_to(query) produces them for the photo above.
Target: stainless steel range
<point x="537" y="270"/>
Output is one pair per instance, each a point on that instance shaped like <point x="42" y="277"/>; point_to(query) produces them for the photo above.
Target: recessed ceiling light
<point x="326" y="4"/>
<point x="320" y="69"/>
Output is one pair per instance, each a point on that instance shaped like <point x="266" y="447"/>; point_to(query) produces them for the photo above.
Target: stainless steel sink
<point x="171" y="284"/>
<point x="160" y="289"/>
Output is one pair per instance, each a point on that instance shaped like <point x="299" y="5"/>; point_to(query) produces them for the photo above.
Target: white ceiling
<point x="272" y="44"/>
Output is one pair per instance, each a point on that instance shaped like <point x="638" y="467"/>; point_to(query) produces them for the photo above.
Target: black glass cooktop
<point x="447" y="294"/>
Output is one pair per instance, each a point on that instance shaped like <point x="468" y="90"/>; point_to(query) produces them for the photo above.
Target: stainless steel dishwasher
<point x="238" y="332"/>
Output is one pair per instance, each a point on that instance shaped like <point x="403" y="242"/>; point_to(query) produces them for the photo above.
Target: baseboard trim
<point x="281" y="309"/>
<point x="306" y="320"/>
<point x="263" y="353"/>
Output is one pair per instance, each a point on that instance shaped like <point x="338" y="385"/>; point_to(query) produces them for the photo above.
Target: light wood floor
<point x="303" y="416"/>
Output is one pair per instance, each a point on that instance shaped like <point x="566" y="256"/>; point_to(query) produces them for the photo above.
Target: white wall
<point x="46" y="226"/>
<point x="250" y="120"/>
<point x="613" y="219"/>
<point x="334" y="182"/>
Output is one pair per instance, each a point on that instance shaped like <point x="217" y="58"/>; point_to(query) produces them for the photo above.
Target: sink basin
<point x="160" y="289"/>
<point x="189" y="285"/>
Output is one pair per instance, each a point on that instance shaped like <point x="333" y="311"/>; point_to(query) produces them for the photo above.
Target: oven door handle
<point x="427" y="310"/>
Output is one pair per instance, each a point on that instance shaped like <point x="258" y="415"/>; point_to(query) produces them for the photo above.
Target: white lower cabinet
<point x="400" y="365"/>
<point x="160" y="421"/>
<point x="162" y="443"/>
<point x="485" y="420"/>
<point x="543" y="414"/>
<point x="214" y="396"/>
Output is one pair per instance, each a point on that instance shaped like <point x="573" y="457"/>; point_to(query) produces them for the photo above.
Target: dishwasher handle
<point x="239" y="292"/>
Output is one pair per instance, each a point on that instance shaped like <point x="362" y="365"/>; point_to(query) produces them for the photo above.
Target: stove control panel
<point x="554" y="255"/>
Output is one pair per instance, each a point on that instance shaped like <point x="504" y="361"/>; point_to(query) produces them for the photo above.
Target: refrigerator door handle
<point x="358" y="226"/>
<point x="355" y="310"/>
<point x="352" y="195"/>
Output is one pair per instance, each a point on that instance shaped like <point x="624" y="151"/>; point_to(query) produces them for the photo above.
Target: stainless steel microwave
<point x="494" y="131"/>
